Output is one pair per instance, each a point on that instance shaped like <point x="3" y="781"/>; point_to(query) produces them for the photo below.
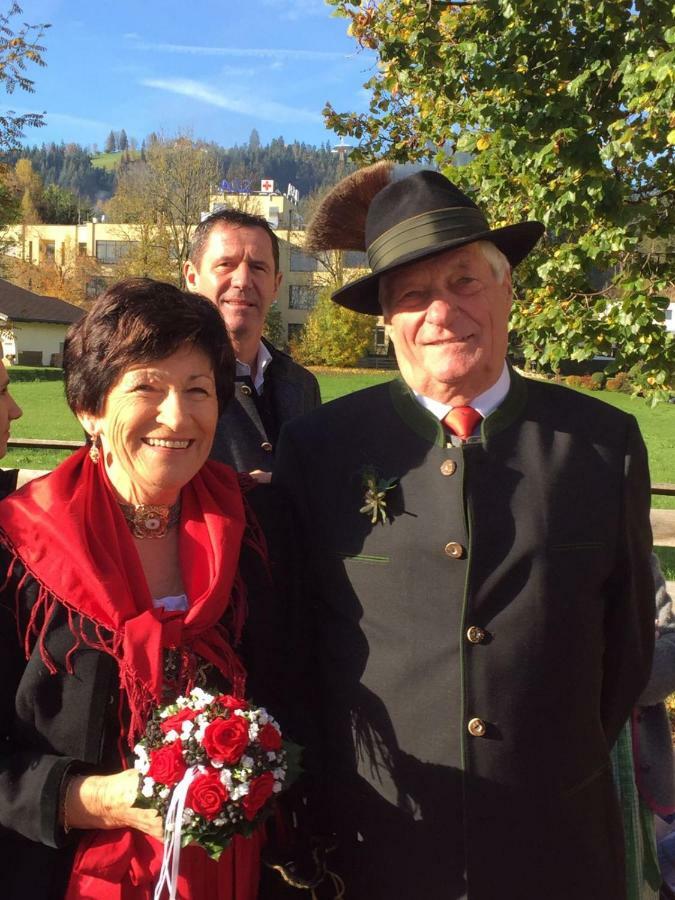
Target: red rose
<point x="173" y="723"/>
<point x="259" y="792"/>
<point x="167" y="764"/>
<point x="231" y="703"/>
<point x="226" y="739"/>
<point x="207" y="795"/>
<point x="269" y="737"/>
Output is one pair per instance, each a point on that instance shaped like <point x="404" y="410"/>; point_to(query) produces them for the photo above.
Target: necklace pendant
<point x="151" y="521"/>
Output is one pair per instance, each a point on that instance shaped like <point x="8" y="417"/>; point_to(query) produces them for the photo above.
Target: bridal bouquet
<point x="211" y="766"/>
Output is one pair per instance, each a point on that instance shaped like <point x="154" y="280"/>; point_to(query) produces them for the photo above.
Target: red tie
<point x="462" y="420"/>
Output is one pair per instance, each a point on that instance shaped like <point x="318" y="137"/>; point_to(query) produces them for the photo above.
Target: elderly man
<point x="483" y="601"/>
<point x="234" y="261"/>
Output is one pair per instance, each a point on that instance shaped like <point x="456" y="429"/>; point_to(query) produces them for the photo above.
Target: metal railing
<point x="661" y="488"/>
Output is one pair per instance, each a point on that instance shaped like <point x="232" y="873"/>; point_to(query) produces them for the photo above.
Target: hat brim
<point x="515" y="242"/>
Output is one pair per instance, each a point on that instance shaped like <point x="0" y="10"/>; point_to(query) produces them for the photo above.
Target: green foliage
<point x="274" y="326"/>
<point x="18" y="49"/>
<point x="59" y="206"/>
<point x="564" y="111"/>
<point x="333" y="335"/>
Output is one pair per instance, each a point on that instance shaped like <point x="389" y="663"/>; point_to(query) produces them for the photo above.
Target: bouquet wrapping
<point x="211" y="766"/>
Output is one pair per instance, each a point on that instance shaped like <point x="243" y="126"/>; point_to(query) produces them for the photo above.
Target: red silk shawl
<point x="70" y="534"/>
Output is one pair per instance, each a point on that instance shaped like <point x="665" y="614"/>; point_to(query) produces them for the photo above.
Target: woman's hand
<point x="106" y="801"/>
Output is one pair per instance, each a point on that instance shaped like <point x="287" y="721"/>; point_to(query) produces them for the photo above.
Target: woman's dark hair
<point x="135" y="321"/>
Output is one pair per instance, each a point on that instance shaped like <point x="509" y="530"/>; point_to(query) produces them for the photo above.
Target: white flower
<point x="226" y="778"/>
<point x="247" y="762"/>
<point x="187" y="726"/>
<point x="253" y="730"/>
<point x="277" y="787"/>
<point x="188" y="816"/>
<point x="171" y="736"/>
<point x="164" y="793"/>
<point x="217" y="763"/>
<point x="271" y="755"/>
<point x="264" y="717"/>
<point x="148" y="785"/>
<point x="219" y="821"/>
<point x="279" y="774"/>
<point x="201" y="697"/>
<point x="199" y="733"/>
<point x="239" y="791"/>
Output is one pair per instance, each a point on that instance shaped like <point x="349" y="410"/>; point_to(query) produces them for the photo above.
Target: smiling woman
<point x="123" y="578"/>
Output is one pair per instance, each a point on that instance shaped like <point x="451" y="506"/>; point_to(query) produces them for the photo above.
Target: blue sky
<point x="214" y="68"/>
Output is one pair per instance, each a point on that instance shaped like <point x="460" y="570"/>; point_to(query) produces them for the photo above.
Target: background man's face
<point x="236" y="272"/>
<point x="449" y="323"/>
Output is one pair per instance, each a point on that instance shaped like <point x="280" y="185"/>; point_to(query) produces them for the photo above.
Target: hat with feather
<point x="402" y="220"/>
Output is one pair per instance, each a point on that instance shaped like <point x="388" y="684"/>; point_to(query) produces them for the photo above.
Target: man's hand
<point x="106" y="801"/>
<point x="260" y="476"/>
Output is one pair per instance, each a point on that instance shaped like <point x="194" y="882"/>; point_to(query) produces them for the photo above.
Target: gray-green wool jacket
<point x="475" y="655"/>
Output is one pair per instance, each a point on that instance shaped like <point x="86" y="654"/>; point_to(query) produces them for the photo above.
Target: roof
<point x="20" y="305"/>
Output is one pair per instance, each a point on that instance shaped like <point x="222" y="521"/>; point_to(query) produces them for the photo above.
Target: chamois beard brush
<point x="340" y="221"/>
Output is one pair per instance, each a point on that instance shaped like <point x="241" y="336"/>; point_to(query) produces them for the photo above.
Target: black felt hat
<point x="403" y="221"/>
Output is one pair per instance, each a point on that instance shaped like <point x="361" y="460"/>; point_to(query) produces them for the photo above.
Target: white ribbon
<point x="173" y="829"/>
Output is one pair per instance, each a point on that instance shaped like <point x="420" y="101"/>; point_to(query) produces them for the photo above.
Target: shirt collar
<point x="484" y="403"/>
<point x="264" y="358"/>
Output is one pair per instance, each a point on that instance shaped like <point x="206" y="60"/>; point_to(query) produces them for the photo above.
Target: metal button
<point x="448" y="467"/>
<point x="475" y="634"/>
<point x="266" y="446"/>
<point x="246" y="390"/>
<point x="454" y="550"/>
<point x="477" y="727"/>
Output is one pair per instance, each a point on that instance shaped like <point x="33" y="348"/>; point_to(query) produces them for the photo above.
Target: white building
<point x="33" y="327"/>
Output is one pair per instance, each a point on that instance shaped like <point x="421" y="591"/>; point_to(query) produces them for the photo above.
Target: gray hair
<point x="497" y="261"/>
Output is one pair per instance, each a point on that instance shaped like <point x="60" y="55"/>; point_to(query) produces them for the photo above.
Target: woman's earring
<point x="94" y="452"/>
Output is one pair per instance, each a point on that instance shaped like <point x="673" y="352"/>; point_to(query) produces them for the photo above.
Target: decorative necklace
<point x="149" y="520"/>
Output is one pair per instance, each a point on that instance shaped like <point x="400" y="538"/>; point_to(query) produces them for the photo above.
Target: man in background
<point x="234" y="262"/>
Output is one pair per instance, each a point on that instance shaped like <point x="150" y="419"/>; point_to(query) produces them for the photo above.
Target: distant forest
<point x="70" y="167"/>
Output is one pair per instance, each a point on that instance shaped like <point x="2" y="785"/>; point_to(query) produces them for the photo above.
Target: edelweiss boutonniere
<point x="375" y="497"/>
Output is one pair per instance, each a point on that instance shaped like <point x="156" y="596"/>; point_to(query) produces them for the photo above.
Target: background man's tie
<point x="462" y="420"/>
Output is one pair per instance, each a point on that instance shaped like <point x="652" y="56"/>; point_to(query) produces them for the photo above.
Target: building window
<point x="303" y="262"/>
<point x="380" y="337"/>
<point x="112" y="252"/>
<point x="95" y="286"/>
<point x="355" y="259"/>
<point x="302" y="296"/>
<point x="48" y="250"/>
<point x="82" y="248"/>
<point x="295" y="330"/>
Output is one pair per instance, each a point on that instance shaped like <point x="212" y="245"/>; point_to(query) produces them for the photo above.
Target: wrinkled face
<point x="9" y="410"/>
<point x="157" y="426"/>
<point x="236" y="272"/>
<point x="449" y="323"/>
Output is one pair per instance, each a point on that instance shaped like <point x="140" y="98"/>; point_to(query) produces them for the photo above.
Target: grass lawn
<point x="47" y="416"/>
<point x="111" y="161"/>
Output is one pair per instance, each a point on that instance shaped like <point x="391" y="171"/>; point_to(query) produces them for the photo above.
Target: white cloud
<point x="66" y="119"/>
<point x="272" y="53"/>
<point x="267" y="110"/>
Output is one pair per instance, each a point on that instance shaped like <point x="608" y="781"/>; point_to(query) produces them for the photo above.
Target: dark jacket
<point x="478" y="653"/>
<point x="249" y="427"/>
<point x="51" y="725"/>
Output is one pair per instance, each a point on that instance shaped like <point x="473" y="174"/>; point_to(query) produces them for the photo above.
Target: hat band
<point x="428" y="230"/>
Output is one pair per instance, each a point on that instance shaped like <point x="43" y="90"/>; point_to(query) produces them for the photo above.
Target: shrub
<point x="573" y="381"/>
<point x="620" y="382"/>
<point x="598" y="379"/>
